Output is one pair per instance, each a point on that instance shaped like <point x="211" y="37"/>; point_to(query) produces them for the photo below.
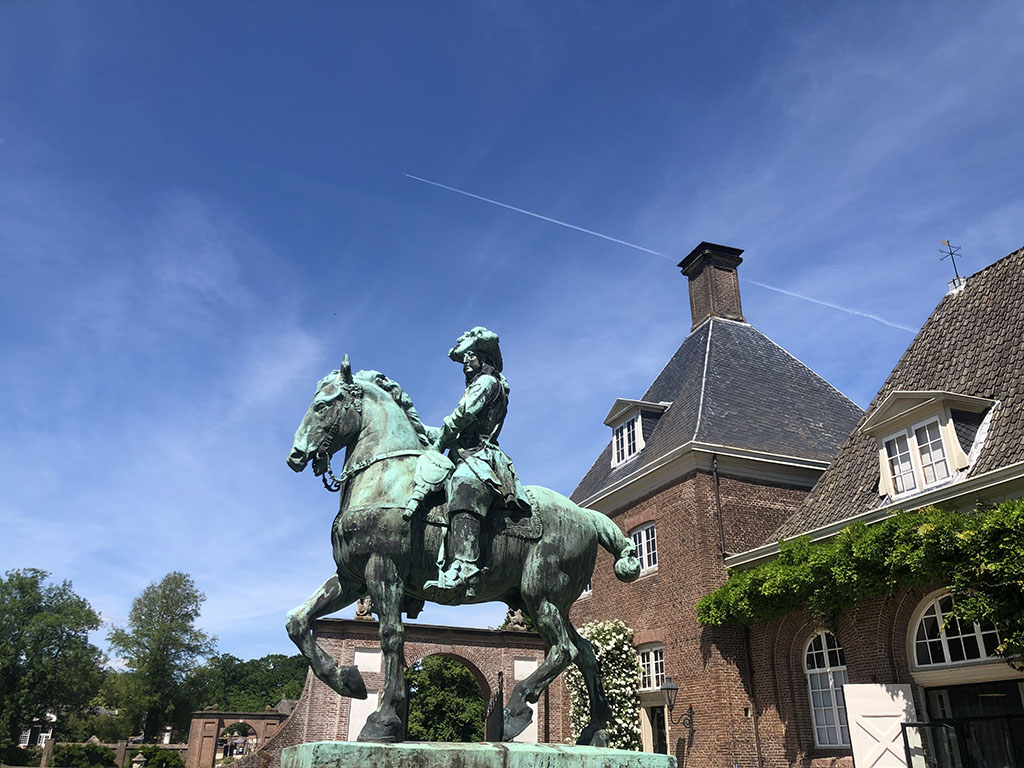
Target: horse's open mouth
<point x="320" y="463"/>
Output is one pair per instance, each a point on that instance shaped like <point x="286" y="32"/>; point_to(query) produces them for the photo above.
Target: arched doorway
<point x="497" y="659"/>
<point x="213" y="735"/>
<point x="235" y="741"/>
<point x="449" y="699"/>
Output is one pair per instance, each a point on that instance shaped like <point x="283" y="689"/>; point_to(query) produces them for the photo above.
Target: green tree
<point x="82" y="726"/>
<point x="83" y="756"/>
<point x="47" y="663"/>
<point x="228" y="683"/>
<point x="160" y="646"/>
<point x="157" y="757"/>
<point x="445" y="703"/>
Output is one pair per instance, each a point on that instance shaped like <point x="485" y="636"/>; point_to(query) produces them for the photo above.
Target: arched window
<point x="825" y="666"/>
<point x="942" y="640"/>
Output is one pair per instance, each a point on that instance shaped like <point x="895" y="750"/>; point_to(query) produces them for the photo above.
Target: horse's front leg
<point x="333" y="595"/>
<point x="386" y="591"/>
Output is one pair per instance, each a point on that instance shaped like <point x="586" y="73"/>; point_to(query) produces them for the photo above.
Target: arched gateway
<point x="207" y="727"/>
<point x="496" y="658"/>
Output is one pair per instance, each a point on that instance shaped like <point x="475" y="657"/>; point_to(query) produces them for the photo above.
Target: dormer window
<point x="625" y="441"/>
<point x="917" y="458"/>
<point x="926" y="439"/>
<point x="628" y="420"/>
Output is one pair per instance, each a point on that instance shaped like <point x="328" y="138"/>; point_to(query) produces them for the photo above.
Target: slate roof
<point x="729" y="384"/>
<point x="973" y="344"/>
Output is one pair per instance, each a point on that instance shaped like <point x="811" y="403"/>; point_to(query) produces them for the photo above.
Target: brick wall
<point x="708" y="664"/>
<point x="484" y="652"/>
<point x="715" y="291"/>
<point x="873" y="635"/>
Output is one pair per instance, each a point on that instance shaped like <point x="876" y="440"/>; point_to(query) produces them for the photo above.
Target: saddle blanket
<point x="500" y="522"/>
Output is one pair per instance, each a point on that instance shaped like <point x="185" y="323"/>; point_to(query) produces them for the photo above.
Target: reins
<point x="349" y="472"/>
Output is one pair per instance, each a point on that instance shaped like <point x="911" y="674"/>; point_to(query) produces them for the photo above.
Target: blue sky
<point x="204" y="206"/>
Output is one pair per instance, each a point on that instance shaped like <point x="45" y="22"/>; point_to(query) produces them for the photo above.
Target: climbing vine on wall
<point x="979" y="556"/>
<point x="620" y="672"/>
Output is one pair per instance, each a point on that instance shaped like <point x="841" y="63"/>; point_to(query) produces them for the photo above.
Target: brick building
<point x="712" y="467"/>
<point x="715" y="456"/>
<point x="946" y="429"/>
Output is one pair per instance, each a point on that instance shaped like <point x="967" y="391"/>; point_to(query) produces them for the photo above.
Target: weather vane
<point x="951" y="253"/>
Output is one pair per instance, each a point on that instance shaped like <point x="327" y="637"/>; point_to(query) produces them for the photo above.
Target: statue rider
<point x="483" y="473"/>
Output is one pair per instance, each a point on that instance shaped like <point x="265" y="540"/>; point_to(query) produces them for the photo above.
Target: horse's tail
<point x="627" y="567"/>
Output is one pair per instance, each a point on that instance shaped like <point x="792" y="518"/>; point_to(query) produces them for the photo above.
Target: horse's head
<point x="332" y="421"/>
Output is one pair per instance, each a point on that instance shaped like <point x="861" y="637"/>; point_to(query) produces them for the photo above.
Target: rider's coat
<point x="472" y="430"/>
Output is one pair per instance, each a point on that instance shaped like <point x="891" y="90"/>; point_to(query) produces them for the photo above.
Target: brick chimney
<point x="714" y="285"/>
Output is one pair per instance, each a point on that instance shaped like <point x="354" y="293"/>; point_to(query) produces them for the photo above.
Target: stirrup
<point x="460" y="574"/>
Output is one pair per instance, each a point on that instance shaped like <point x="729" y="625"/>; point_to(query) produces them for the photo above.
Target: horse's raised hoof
<point x="382" y="728"/>
<point x="515" y="723"/>
<point x="593" y="736"/>
<point x="352" y="679"/>
<point x="346" y="681"/>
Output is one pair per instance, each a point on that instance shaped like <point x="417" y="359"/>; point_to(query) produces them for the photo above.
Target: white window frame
<point x="919" y="455"/>
<point x="645" y="538"/>
<point x="652" y="666"/>
<point x="895" y="440"/>
<point x="825" y="691"/>
<point x="627" y="439"/>
<point x="909" y="434"/>
<point x="931" y="608"/>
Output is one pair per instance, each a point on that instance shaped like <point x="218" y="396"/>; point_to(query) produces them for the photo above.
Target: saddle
<point x="500" y="521"/>
<point x="433" y="469"/>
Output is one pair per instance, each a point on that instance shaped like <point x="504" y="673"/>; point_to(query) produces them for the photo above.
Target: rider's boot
<point x="464" y="571"/>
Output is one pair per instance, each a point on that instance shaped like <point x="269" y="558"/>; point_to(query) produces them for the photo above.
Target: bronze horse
<point x="380" y="553"/>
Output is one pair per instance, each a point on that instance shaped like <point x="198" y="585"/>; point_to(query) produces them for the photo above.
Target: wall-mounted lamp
<point x="671" y="690"/>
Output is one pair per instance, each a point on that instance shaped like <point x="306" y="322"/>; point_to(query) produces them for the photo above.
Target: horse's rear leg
<point x="600" y="710"/>
<point x="387" y="591"/>
<point x="333" y="595"/>
<point x="552" y="626"/>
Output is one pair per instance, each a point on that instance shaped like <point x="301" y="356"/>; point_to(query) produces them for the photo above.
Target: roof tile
<point x="751" y="394"/>
<point x="971" y="344"/>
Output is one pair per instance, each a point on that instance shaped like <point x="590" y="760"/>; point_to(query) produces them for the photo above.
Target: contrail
<point x="585" y="231"/>
<point x="537" y="216"/>
<point x="857" y="312"/>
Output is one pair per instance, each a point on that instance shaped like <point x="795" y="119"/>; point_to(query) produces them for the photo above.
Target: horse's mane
<point x="401" y="397"/>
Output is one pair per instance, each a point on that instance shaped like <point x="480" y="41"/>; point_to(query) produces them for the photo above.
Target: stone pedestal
<point x="353" y="754"/>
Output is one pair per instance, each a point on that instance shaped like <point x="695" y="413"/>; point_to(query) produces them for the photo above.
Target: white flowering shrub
<point x="620" y="673"/>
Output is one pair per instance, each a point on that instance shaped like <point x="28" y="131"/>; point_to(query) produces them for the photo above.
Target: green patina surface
<point x="531" y="548"/>
<point x="343" y="754"/>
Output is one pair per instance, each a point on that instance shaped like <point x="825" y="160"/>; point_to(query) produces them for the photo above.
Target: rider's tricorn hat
<point x="481" y="341"/>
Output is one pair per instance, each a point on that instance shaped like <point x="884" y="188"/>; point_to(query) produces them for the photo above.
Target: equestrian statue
<point x="417" y="525"/>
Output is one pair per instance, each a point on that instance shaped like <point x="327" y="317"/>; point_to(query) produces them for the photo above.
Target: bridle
<point x="354" y="400"/>
<point x="332" y="482"/>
